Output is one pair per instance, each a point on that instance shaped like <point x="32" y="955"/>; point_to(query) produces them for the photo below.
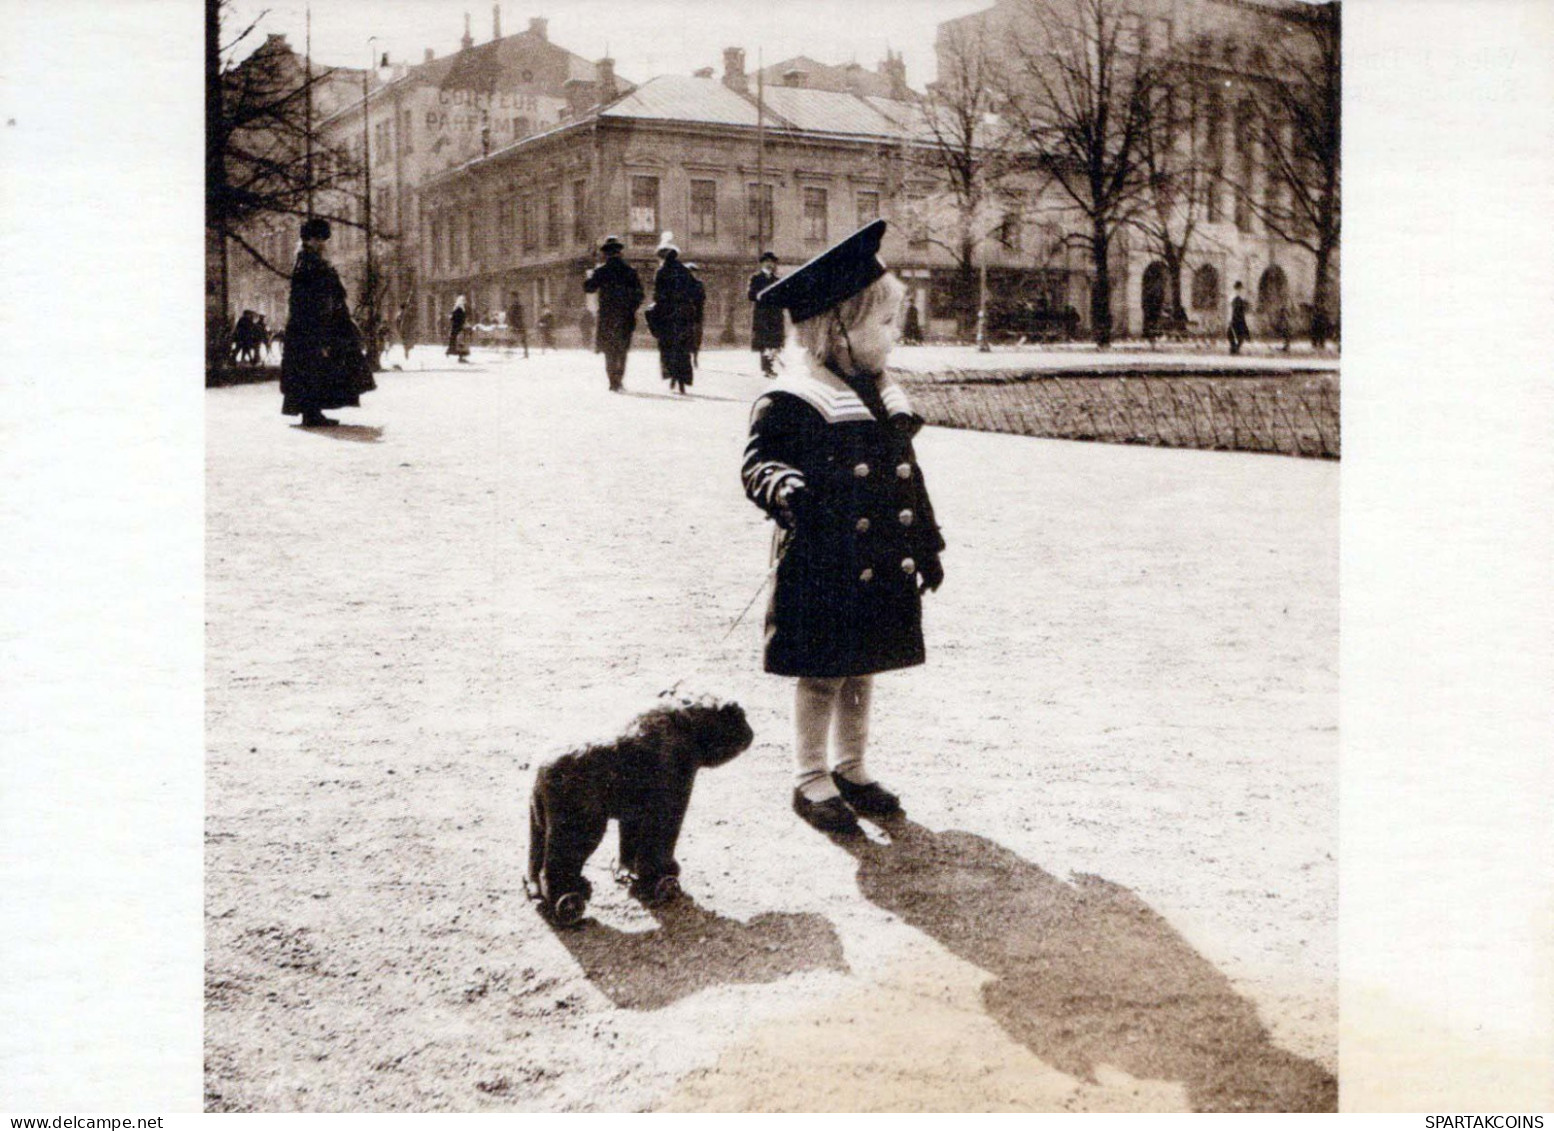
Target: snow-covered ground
<point x="1117" y="889"/>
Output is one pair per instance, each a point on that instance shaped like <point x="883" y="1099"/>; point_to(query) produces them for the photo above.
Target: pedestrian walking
<point x="517" y="323"/>
<point x="672" y="317"/>
<point x="585" y="327"/>
<point x="323" y="365"/>
<point x="456" y="322"/>
<point x="620" y="293"/>
<point x="912" y="326"/>
<point x="767" y="333"/>
<point x="245" y="345"/>
<point x="404" y="325"/>
<point x="547" y="328"/>
<point x="1282" y="324"/>
<point x="830" y="459"/>
<point x="699" y="294"/>
<point x="1237" y="331"/>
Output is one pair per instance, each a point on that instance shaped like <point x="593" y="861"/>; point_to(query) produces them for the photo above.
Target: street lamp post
<point x="369" y="282"/>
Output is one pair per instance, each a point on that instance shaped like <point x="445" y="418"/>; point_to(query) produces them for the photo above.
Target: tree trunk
<point x="1101" y="292"/>
<point x="218" y="315"/>
<point x="966" y="288"/>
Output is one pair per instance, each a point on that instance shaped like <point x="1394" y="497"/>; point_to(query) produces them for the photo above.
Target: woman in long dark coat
<point x="322" y="365"/>
<point x="830" y="458"/>
<point x="456" y="320"/>
<point x="672" y="317"/>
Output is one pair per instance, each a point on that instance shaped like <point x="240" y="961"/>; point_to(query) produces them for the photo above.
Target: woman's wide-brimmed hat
<point x="611" y="243"/>
<point x="833" y="276"/>
<point x="315" y="228"/>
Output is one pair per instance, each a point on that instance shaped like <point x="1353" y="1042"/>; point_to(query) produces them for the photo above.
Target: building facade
<point x="399" y="125"/>
<point x="1217" y="55"/>
<point x="730" y="174"/>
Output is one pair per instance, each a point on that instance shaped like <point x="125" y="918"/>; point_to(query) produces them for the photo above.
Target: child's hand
<point x="789" y="500"/>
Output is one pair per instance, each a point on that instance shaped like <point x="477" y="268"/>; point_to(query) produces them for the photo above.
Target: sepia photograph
<point x="577" y="386"/>
<point x="692" y="556"/>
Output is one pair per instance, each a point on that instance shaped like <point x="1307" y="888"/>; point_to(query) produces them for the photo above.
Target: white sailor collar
<point x="828" y="395"/>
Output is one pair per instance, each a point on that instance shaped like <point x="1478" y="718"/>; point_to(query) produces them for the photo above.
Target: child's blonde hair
<point x="823" y="340"/>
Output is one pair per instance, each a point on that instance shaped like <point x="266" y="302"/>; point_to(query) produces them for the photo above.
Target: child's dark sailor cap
<point x="834" y="275"/>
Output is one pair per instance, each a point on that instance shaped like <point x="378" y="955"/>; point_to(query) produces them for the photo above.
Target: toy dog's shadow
<point x="1085" y="973"/>
<point x="693" y="949"/>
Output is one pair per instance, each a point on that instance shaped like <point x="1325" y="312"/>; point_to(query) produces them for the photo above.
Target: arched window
<point x="1205" y="288"/>
<point x="1272" y="290"/>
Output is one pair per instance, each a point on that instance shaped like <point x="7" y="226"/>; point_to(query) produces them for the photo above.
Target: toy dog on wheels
<point x="642" y="779"/>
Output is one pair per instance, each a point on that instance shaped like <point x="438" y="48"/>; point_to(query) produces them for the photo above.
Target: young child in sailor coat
<point x="857" y="543"/>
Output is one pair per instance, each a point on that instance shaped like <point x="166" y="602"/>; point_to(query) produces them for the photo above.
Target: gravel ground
<point x="1116" y="890"/>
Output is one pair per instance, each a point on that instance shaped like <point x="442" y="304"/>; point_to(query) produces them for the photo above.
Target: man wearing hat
<point x="672" y="317"/>
<point x="323" y="365"/>
<point x="830" y="459"/>
<point x="767" y="334"/>
<point x="620" y="293"/>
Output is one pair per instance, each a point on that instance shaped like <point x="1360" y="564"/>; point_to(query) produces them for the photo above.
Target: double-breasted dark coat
<point x="673" y="317"/>
<point x="766" y="326"/>
<point x="620" y="293"/>
<point x="322" y="364"/>
<point x="859" y="529"/>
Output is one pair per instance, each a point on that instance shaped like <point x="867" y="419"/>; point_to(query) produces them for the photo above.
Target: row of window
<point x="645" y="219"/>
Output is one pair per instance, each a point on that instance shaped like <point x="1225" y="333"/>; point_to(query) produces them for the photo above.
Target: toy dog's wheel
<point x="569" y="909"/>
<point x="665" y="889"/>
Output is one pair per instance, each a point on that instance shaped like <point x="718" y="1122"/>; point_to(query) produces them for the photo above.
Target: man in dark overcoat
<point x="323" y="365"/>
<point x="672" y="317"/>
<point x="620" y="293"/>
<point x="517" y="324"/>
<point x="767" y="334"/>
<point x="1238" y="332"/>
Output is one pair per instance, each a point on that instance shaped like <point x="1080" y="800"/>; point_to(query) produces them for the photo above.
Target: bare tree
<point x="261" y="157"/>
<point x="1299" y="108"/>
<point x="1083" y="86"/>
<point x="969" y="149"/>
<point x="1177" y="179"/>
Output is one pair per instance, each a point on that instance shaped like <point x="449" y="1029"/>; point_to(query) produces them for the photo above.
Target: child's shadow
<point x="1086" y="973"/>
<point x="693" y="949"/>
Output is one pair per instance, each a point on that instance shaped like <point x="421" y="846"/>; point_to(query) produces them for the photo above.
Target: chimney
<point x="537" y="28"/>
<point x="734" y="76"/>
<point x="607" y="87"/>
<point x="496" y="21"/>
<point x="469" y="40"/>
<point x="581" y="94"/>
<point x="795" y="77"/>
<point x="894" y="69"/>
<point x="430" y="55"/>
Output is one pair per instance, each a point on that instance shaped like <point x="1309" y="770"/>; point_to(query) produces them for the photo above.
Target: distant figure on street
<point x="245" y="339"/>
<point x="700" y="293"/>
<point x="517" y="323"/>
<point x="404" y="326"/>
<point x="912" y="327"/>
<point x="672" y="317"/>
<point x="323" y="364"/>
<point x="1237" y="332"/>
<point x="547" y="328"/>
<point x="1282" y="324"/>
<point x="585" y="327"/>
<point x="1070" y="322"/>
<point x="620" y="293"/>
<point x="830" y="459"/>
<point x="767" y="332"/>
<point x="456" y="320"/>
